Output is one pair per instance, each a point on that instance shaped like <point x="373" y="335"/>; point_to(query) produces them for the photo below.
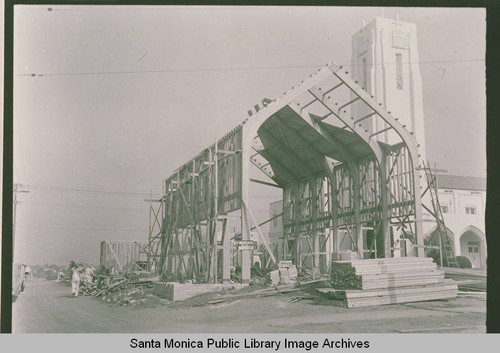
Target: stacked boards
<point x="468" y="279"/>
<point x="285" y="274"/>
<point x="371" y="282"/>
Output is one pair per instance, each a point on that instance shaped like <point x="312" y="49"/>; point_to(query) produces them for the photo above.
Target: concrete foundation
<point x="179" y="291"/>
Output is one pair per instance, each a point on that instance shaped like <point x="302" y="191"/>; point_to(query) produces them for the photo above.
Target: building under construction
<point x="348" y="168"/>
<point x="336" y="175"/>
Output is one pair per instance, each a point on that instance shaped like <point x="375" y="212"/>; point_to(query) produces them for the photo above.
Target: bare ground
<point x="47" y="307"/>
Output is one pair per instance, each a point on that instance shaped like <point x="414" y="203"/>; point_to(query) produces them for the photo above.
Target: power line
<point x="85" y="206"/>
<point x="167" y="71"/>
<point x="225" y="69"/>
<point x="109" y="192"/>
<point x="90" y="191"/>
<point x="23" y="225"/>
<point x="106" y="7"/>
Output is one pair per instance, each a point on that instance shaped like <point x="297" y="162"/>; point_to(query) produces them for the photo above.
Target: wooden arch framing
<point x="338" y="175"/>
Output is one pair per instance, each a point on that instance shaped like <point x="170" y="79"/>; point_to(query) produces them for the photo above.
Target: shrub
<point x="51" y="275"/>
<point x="463" y="262"/>
<point x="434" y="253"/>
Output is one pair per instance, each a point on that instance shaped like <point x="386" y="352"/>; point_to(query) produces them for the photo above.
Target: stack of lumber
<point x="288" y="272"/>
<point x="387" y="281"/>
<point x="285" y="274"/>
<point x="275" y="277"/>
<point x="468" y="279"/>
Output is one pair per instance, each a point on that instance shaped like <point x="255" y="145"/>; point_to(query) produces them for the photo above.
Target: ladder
<point x="446" y="247"/>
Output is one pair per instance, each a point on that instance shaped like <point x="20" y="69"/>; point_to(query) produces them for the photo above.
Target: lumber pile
<point x="371" y="282"/>
<point x="285" y="274"/>
<point x="467" y="279"/>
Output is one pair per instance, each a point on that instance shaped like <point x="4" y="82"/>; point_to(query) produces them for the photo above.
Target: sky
<point x="109" y="101"/>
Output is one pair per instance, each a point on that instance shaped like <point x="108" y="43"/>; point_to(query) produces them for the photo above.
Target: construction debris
<point x="386" y="281"/>
<point x="134" y="297"/>
<point x="122" y="289"/>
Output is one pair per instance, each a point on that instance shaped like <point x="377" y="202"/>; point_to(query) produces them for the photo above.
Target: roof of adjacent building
<point x="446" y="181"/>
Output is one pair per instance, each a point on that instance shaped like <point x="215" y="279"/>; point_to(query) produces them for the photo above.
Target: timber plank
<point x="386" y="260"/>
<point x="398" y="275"/>
<point x="386" y="281"/>
<point x="367" y="269"/>
<point x="353" y="303"/>
<point x="341" y="294"/>
<point x="407" y="283"/>
<point x="374" y="268"/>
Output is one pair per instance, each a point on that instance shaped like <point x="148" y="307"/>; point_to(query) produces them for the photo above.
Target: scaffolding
<point x="337" y="175"/>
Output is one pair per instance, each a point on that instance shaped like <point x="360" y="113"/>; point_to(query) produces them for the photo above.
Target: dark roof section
<point x="446" y="181"/>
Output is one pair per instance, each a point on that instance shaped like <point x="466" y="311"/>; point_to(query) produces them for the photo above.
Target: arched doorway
<point x="473" y="246"/>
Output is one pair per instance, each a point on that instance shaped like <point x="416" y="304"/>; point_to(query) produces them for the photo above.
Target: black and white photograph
<point x="249" y="169"/>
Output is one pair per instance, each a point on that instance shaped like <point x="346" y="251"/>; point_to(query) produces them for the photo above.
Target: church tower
<point x="385" y="62"/>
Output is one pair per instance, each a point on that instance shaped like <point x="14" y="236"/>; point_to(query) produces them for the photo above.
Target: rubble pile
<point x="131" y="297"/>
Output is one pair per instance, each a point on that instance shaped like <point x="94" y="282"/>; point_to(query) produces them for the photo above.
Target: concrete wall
<point x="179" y="291"/>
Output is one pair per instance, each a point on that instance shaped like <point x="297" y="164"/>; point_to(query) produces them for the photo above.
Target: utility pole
<point x="16" y="191"/>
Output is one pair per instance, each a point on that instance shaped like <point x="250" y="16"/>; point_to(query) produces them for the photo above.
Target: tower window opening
<point x="399" y="71"/>
<point x="470" y="210"/>
<point x="365" y="81"/>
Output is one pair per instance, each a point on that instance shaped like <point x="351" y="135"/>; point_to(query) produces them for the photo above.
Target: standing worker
<point x="75" y="279"/>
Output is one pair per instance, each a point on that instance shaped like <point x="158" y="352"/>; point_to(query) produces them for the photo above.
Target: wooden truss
<point x="325" y="143"/>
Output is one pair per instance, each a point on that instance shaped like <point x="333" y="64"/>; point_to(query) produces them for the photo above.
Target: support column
<point x="314" y="211"/>
<point x="358" y="230"/>
<point x="296" y="230"/>
<point x="245" y="224"/>
<point x="245" y="250"/>
<point x="215" y="248"/>
<point x="163" y="246"/>
<point x="335" y="213"/>
<point x="226" y="254"/>
<point x="385" y="230"/>
<point x="419" y="230"/>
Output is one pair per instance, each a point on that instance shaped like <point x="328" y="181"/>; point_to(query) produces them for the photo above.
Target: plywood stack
<point x="387" y="281"/>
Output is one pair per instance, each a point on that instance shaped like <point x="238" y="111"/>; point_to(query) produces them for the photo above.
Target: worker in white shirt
<point x="75" y="280"/>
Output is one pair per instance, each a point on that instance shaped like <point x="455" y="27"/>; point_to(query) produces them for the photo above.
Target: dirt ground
<point x="47" y="307"/>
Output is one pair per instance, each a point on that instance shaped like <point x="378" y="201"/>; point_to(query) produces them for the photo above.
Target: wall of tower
<point x="385" y="62"/>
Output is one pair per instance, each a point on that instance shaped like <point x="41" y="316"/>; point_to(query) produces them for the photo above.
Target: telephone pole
<point x="17" y="190"/>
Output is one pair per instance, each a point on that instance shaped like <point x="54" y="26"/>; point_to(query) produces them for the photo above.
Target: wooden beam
<point x="266" y="183"/>
<point x="260" y="224"/>
<point x="261" y="235"/>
